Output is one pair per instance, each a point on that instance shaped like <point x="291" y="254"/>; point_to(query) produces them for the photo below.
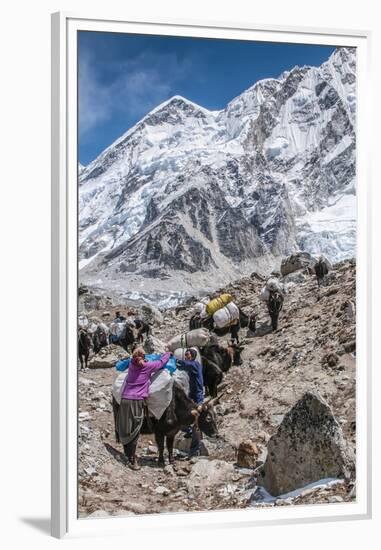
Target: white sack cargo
<point x="105" y="328"/>
<point x="92" y="328"/>
<point x="160" y="391"/>
<point x="83" y="321"/>
<point x="274" y="285"/>
<point x="226" y="316"/>
<point x="117" y="328"/>
<point x="182" y="379"/>
<point x="199" y="337"/>
<point x="200" y="309"/>
<point x="179" y="353"/>
<point x="265" y="294"/>
<point x="117" y="386"/>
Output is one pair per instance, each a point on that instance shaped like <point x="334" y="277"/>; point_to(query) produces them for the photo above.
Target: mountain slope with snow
<point x="189" y="195"/>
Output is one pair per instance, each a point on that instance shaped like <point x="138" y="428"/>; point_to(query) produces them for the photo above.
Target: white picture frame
<point x="64" y="278"/>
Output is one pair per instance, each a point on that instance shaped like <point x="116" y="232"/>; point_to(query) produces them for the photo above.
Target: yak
<point x="142" y="328"/>
<point x="215" y="361"/>
<point x="100" y="338"/>
<point x="127" y="338"/>
<point x="243" y="322"/>
<point x="84" y="346"/>
<point x="321" y="269"/>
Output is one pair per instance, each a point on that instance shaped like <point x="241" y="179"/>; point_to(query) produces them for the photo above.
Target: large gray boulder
<point x="209" y="473"/>
<point x="300" y="260"/>
<point x="107" y="357"/>
<point x="308" y="446"/>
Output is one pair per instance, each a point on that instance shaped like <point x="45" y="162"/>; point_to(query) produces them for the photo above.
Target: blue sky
<point x="123" y="76"/>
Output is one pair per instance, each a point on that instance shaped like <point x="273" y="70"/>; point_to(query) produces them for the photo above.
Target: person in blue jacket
<point x="196" y="393"/>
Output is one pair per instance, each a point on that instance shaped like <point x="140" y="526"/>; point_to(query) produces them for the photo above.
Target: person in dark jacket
<point x="119" y="318"/>
<point x="196" y="393"/>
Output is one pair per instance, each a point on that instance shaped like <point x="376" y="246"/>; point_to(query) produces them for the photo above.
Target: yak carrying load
<point x="160" y="390"/>
<point x="220" y="315"/>
<point x="226" y="316"/>
<point x="218" y="303"/>
<point x="222" y="309"/>
<point x="199" y="337"/>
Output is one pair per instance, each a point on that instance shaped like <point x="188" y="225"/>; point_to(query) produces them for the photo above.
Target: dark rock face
<point x="307" y="447"/>
<point x="179" y="237"/>
<point x="167" y="245"/>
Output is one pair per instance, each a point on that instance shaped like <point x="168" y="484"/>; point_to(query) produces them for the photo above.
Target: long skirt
<point x="129" y="420"/>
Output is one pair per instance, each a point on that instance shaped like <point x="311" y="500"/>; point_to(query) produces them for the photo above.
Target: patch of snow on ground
<point x="261" y="495"/>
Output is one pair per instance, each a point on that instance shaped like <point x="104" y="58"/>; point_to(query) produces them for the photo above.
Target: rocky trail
<point x="303" y="373"/>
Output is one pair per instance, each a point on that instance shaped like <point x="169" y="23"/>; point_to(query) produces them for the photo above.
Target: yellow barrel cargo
<point x="218" y="303"/>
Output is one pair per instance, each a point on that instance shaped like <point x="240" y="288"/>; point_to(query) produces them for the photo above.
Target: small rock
<point x="244" y="472"/>
<point x="182" y="473"/>
<point x="247" y="454"/>
<point x="161" y="490"/>
<point x="335" y="498"/>
<point x="283" y="501"/>
<point x="263" y="436"/>
<point x="330" y="360"/>
<point x="136" y="507"/>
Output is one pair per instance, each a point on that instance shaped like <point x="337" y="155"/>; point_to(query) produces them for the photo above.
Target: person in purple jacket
<point x="130" y="415"/>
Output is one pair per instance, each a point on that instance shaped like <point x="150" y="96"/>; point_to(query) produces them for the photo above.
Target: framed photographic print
<point x="211" y="275"/>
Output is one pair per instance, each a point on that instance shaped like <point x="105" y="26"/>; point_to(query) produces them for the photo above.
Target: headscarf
<point x="192" y="352"/>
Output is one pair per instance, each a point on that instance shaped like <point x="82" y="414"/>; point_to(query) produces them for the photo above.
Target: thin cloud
<point x="135" y="88"/>
<point x="94" y="101"/>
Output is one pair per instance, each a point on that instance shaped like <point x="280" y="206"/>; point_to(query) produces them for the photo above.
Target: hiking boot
<point x="133" y="464"/>
<point x="194" y="456"/>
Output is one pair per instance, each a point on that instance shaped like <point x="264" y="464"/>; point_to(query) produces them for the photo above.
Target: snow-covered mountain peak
<point x="180" y="102"/>
<point x="198" y="191"/>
